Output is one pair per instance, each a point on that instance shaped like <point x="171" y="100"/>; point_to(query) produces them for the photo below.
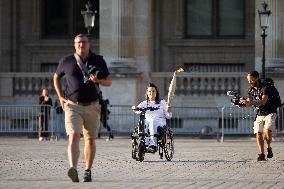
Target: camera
<point x="103" y="102"/>
<point x="96" y="71"/>
<point x="236" y="98"/>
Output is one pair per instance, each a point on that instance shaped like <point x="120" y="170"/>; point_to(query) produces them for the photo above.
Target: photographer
<point x="84" y="71"/>
<point x="261" y="97"/>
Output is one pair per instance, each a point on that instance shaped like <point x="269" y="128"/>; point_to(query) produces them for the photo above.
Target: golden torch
<point x="172" y="87"/>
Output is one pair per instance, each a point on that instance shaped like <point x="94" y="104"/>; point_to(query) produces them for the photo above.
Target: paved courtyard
<point x="28" y="163"/>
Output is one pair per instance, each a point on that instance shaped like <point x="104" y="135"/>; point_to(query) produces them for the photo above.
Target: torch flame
<point x="180" y="70"/>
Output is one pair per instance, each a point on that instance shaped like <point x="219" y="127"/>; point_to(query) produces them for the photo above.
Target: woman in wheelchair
<point x="153" y="118"/>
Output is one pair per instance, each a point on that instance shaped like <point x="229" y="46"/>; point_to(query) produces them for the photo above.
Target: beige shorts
<point x="265" y="122"/>
<point x="82" y="119"/>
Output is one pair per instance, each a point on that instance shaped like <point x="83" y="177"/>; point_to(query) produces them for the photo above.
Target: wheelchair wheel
<point x="134" y="138"/>
<point x="168" y="144"/>
<point x="134" y="149"/>
<point x="141" y="151"/>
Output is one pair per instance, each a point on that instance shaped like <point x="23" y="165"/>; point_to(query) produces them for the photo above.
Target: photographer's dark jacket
<point x="76" y="89"/>
<point x="257" y="93"/>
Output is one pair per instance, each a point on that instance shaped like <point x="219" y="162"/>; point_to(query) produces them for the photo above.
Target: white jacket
<point x="159" y="115"/>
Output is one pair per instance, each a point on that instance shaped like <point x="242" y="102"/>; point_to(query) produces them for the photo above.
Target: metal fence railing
<point x="185" y="120"/>
<point x="239" y="121"/>
<point x="25" y="120"/>
<point x="197" y="121"/>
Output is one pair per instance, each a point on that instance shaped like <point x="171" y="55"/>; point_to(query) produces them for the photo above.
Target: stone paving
<point x="29" y="163"/>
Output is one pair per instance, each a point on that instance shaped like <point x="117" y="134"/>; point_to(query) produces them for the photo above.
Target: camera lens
<point x="99" y="75"/>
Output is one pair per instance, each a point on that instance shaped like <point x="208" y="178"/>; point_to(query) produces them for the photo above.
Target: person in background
<point x="45" y="103"/>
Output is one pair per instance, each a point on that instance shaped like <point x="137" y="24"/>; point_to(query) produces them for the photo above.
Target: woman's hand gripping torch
<point x="172" y="87"/>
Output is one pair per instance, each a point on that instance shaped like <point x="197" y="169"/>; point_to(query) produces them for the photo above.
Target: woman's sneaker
<point x="87" y="176"/>
<point x="261" y="157"/>
<point x="269" y="153"/>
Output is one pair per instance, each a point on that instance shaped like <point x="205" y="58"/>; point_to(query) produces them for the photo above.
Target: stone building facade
<point x="142" y="41"/>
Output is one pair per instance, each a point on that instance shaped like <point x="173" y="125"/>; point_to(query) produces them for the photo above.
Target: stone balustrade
<point x="24" y="84"/>
<point x="15" y="85"/>
<point x="201" y="83"/>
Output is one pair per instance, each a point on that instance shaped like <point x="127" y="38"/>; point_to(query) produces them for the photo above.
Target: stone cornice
<point x="209" y="43"/>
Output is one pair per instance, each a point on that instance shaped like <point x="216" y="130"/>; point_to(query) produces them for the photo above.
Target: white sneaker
<point x="40" y="138"/>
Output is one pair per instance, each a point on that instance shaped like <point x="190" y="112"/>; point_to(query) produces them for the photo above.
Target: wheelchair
<point x="165" y="140"/>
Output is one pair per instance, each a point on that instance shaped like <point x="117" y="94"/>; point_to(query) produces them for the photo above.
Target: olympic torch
<point x="172" y="87"/>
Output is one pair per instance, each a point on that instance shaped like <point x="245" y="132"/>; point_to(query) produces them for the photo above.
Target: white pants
<point x="151" y="127"/>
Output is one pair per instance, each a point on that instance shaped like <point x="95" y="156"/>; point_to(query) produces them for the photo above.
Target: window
<point x="63" y="19"/>
<point x="214" y="18"/>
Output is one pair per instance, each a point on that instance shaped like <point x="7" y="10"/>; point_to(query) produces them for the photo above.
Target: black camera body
<point x="104" y="102"/>
<point x="96" y="71"/>
<point x="236" y="98"/>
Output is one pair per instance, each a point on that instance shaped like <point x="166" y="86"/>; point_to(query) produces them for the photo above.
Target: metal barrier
<point x="196" y="121"/>
<point x="23" y="118"/>
<point x="280" y="122"/>
<point x="236" y="121"/>
<point x="185" y="120"/>
<point x="122" y="119"/>
<point x="239" y="121"/>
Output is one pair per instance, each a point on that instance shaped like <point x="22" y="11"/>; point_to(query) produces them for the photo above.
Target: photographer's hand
<point x="242" y="102"/>
<point x="104" y="82"/>
<point x="93" y="78"/>
<point x="245" y="103"/>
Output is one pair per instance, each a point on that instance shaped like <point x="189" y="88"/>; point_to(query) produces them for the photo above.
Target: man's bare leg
<point x="260" y="142"/>
<point x="73" y="151"/>
<point x="268" y="138"/>
<point x="90" y="152"/>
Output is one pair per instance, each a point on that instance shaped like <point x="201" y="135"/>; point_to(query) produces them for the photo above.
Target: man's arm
<point x="103" y="82"/>
<point x="249" y="103"/>
<point x="58" y="89"/>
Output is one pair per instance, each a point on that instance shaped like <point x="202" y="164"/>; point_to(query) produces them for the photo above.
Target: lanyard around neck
<point x="82" y="66"/>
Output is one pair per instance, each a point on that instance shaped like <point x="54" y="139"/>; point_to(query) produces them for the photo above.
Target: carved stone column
<point x="126" y="42"/>
<point x="116" y="34"/>
<point x="36" y="18"/>
<point x="179" y="19"/>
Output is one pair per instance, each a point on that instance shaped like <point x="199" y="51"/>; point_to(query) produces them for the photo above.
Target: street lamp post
<point x="264" y="22"/>
<point x="89" y="17"/>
